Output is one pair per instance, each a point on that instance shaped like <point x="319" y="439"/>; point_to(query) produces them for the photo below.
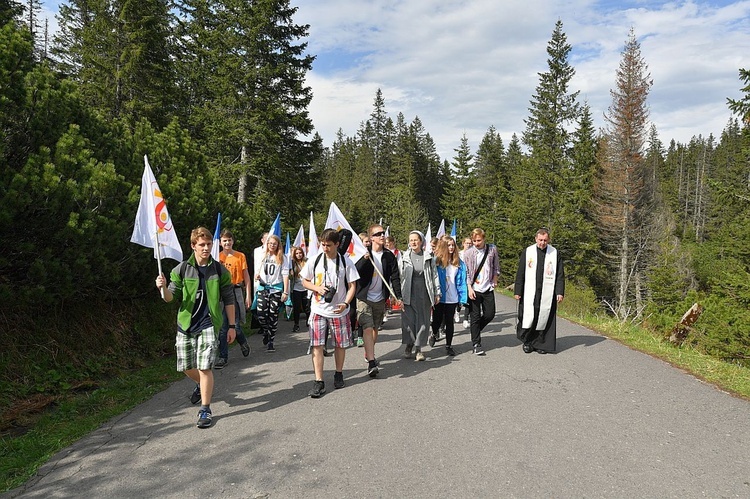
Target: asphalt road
<point x="593" y="420"/>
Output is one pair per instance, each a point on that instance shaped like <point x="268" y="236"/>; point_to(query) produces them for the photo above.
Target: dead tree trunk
<point x="682" y="328"/>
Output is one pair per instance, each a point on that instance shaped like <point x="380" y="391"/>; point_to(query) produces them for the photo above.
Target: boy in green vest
<point x="200" y="284"/>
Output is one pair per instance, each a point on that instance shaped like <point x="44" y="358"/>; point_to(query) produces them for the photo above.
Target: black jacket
<point x="390" y="273"/>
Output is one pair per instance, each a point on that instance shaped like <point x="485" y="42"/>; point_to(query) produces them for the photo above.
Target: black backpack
<point x="346" y="240"/>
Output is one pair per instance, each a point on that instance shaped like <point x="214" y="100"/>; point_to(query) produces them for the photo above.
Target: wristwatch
<point x="232" y="326"/>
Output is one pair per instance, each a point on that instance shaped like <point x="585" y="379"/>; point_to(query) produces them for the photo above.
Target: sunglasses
<point x="378" y="234"/>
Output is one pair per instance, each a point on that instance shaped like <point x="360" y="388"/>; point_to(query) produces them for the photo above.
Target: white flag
<point x="337" y="221"/>
<point x="153" y="217"/>
<point x="299" y="241"/>
<point x="427" y="239"/>
<point x="441" y="230"/>
<point x="312" y="248"/>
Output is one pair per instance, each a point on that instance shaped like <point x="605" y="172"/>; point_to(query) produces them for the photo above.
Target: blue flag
<point x="453" y="230"/>
<point x="216" y="248"/>
<point x="276" y="227"/>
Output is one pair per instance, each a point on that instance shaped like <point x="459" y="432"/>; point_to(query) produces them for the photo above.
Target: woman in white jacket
<point x="420" y="289"/>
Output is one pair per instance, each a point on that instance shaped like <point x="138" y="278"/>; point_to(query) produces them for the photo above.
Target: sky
<point x="462" y="66"/>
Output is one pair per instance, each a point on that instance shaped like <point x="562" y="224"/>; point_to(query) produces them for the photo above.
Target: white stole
<point x="548" y="287"/>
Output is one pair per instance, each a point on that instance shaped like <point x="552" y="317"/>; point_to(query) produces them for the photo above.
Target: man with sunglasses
<point x="378" y="267"/>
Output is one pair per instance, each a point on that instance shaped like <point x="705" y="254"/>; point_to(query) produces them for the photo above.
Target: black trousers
<point x="300" y="304"/>
<point x="443" y="314"/>
<point x="482" y="311"/>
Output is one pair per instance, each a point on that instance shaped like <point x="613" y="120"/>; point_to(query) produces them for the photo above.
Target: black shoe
<point x="527" y="348"/>
<point x="204" y="418"/>
<point x="245" y="347"/>
<point x="431" y="340"/>
<point x="372" y="368"/>
<point x="195" y="397"/>
<point x="326" y="353"/>
<point x="221" y="363"/>
<point x="449" y="350"/>
<point x="266" y="339"/>
<point x="270" y="347"/>
<point x="541" y="351"/>
<point x="338" y="380"/>
<point x="478" y="350"/>
<point x="295" y="328"/>
<point x="318" y="389"/>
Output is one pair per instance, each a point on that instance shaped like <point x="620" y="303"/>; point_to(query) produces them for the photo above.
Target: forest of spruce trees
<point x="214" y="92"/>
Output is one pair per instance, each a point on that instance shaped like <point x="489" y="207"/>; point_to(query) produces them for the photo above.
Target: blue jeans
<point x="223" y="345"/>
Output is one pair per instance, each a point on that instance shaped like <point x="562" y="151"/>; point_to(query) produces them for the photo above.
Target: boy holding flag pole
<point x="196" y="282"/>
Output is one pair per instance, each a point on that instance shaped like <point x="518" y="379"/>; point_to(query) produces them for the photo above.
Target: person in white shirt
<point x="332" y="279"/>
<point x="273" y="289"/>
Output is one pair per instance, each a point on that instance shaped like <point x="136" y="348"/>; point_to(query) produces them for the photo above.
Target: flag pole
<point x="384" y="281"/>
<point x="158" y="259"/>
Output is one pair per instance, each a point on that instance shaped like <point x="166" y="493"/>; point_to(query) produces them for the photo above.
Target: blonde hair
<point x="279" y="256"/>
<point x="200" y="233"/>
<point x="443" y="256"/>
<point x="477" y="232"/>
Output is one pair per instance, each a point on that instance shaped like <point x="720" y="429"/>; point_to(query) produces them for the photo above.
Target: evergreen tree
<point x="242" y="70"/>
<point x="741" y="107"/>
<point x="458" y="200"/>
<point x="623" y="199"/>
<point x="426" y="164"/>
<point x="9" y="11"/>
<point x="492" y="182"/>
<point x="146" y="75"/>
<point x="120" y="53"/>
<point x="575" y="218"/>
<point x="553" y="108"/>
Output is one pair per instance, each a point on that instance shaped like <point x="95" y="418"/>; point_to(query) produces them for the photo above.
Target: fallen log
<point x="682" y="328"/>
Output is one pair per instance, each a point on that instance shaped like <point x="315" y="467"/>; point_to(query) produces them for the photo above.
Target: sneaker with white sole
<point x="466" y="324"/>
<point x="420" y="356"/>
<point x="478" y="350"/>
<point x="204" y="418"/>
<point x="221" y="363"/>
<point x="372" y="368"/>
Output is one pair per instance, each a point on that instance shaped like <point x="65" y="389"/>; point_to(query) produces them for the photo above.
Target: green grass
<point x="75" y="415"/>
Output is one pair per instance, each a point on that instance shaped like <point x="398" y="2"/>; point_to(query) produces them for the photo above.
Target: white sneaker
<point x="466" y="324"/>
<point x="456" y="317"/>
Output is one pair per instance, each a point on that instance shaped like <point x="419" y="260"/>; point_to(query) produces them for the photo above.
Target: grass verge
<point x="75" y="414"/>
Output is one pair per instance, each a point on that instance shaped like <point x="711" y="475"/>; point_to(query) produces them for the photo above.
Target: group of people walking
<point x="429" y="286"/>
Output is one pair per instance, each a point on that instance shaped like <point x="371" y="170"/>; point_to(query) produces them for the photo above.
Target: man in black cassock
<point x="539" y="287"/>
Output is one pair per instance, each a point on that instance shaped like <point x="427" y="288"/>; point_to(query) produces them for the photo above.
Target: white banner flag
<point x="299" y="241"/>
<point x="337" y="221"/>
<point x="312" y="248"/>
<point x="153" y="217"/>
<point x="441" y="230"/>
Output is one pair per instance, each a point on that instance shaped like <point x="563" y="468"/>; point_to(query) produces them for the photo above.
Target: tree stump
<point x="682" y="328"/>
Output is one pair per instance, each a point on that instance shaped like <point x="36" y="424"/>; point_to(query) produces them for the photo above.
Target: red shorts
<point x="338" y="327"/>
